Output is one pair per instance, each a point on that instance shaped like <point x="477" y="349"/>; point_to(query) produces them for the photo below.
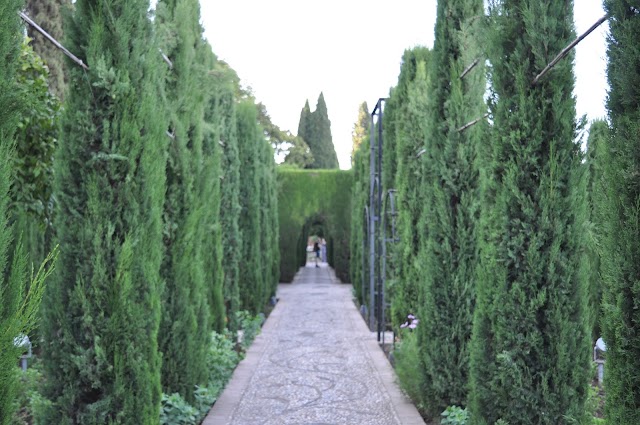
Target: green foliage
<point x="177" y="411"/>
<point x="102" y="310"/>
<point x="454" y="415"/>
<point x="191" y="202"/>
<point x="404" y="140"/>
<point x="406" y="360"/>
<point x="253" y="293"/>
<point x="358" y="261"/>
<point x="530" y="346"/>
<point x="451" y="210"/>
<point x="315" y="129"/>
<point x="305" y="196"/>
<point x="294" y="150"/>
<point x="619" y="206"/>
<point x="220" y="116"/>
<point x="222" y="359"/>
<point x="49" y="15"/>
<point x="31" y="404"/>
<point x="598" y="134"/>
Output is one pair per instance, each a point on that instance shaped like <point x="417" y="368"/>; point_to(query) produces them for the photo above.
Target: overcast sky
<point x="289" y="51"/>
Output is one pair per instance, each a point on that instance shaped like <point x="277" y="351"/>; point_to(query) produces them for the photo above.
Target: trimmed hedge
<point x="323" y="195"/>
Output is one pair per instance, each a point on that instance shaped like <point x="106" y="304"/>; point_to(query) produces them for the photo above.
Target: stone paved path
<point x="315" y="362"/>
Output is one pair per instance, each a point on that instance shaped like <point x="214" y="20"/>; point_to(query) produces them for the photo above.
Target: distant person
<point x="316" y="249"/>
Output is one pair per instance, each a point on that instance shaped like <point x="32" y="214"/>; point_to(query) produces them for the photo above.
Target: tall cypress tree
<point x="450" y="216"/>
<point x="12" y="279"/>
<point x="221" y="116"/>
<point x="404" y="138"/>
<point x="599" y="132"/>
<point x="250" y="280"/>
<point x="49" y="15"/>
<point x="530" y="348"/>
<point x="185" y="324"/>
<point x="619" y="208"/>
<point x="103" y="308"/>
<point x="315" y="129"/>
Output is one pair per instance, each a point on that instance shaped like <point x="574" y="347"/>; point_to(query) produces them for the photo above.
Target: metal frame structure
<point x="376" y="280"/>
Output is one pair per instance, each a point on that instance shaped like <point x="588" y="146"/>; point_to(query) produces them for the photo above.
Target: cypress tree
<point x="304" y="125"/>
<point x="185" y="323"/>
<point x="450" y="216"/>
<point x="48" y="14"/>
<point x="360" y="130"/>
<point x="598" y="134"/>
<point x="619" y="208"/>
<point x="250" y="279"/>
<point x="12" y="278"/>
<point x="210" y="191"/>
<point x="404" y="139"/>
<point x="221" y="116"/>
<point x="530" y="346"/>
<point x="315" y="129"/>
<point x="102" y="310"/>
<point x="360" y="199"/>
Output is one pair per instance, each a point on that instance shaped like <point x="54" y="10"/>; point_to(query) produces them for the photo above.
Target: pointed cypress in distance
<point x="360" y="129"/>
<point x="619" y="207"/>
<point x="315" y="129"/>
<point x="49" y="14"/>
<point x="184" y="328"/>
<point x="450" y="216"/>
<point x="530" y="353"/>
<point x="102" y="309"/>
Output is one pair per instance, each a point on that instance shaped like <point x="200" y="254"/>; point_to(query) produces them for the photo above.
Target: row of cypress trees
<point x="509" y="235"/>
<point x="165" y="200"/>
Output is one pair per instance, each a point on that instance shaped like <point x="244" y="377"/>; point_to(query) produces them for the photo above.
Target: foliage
<point x="358" y="260"/>
<point x="49" y="15"/>
<point x="530" y="345"/>
<point x="191" y="202"/>
<point x="454" y="415"/>
<point x="102" y="310"/>
<point x="618" y="205"/>
<point x="315" y="129"/>
<point x="36" y="141"/>
<point x="306" y="196"/>
<point x="177" y="411"/>
<point x="406" y="360"/>
<point x="294" y="150"/>
<point x="449" y="254"/>
<point x="250" y="326"/>
<point x="221" y="128"/>
<point x="598" y="134"/>
<point x="222" y="359"/>
<point x="31" y="404"/>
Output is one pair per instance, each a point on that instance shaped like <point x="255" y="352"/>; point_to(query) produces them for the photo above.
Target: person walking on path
<point x="323" y="250"/>
<point x="316" y="249"/>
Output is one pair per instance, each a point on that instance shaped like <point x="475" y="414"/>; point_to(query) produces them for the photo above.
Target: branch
<point x="469" y="68"/>
<point x="472" y="123"/>
<point x="53" y="40"/>
<point x="166" y="59"/>
<point x="567" y="49"/>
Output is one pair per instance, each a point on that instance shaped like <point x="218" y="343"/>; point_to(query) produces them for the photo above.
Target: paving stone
<point x="315" y="362"/>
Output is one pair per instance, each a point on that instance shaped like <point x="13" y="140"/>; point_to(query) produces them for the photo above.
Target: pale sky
<point x="289" y="51"/>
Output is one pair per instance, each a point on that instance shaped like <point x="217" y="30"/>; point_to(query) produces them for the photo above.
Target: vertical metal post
<point x="380" y="241"/>
<point x="372" y="220"/>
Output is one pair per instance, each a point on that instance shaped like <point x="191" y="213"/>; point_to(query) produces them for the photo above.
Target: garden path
<point x="315" y="362"/>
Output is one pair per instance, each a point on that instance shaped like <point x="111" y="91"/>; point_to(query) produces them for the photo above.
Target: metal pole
<point x="379" y="202"/>
<point x="372" y="226"/>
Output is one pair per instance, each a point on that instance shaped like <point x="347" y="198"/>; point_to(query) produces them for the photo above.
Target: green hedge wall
<point x="314" y="194"/>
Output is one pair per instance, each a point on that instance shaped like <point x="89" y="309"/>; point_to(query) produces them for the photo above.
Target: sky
<point x="288" y="51"/>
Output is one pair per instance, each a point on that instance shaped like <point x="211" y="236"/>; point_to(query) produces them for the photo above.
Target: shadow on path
<point x="315" y="362"/>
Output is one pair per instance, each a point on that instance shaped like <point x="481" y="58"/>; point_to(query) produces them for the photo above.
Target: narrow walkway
<point x="315" y="362"/>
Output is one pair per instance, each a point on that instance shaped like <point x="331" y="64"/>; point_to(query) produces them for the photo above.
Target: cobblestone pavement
<point x="315" y="362"/>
